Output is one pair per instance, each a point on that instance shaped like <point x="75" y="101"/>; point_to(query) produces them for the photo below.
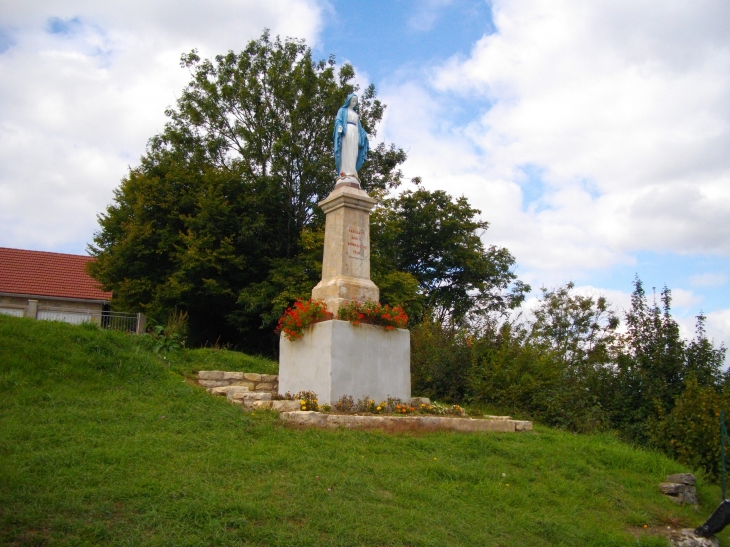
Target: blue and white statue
<point x="351" y="141"/>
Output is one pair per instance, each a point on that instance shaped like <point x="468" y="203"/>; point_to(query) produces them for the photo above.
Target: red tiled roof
<point x="39" y="273"/>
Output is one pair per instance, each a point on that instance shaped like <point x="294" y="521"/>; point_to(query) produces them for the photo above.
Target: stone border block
<point x="210" y="375"/>
<point x="402" y="423"/>
<point x="213" y="383"/>
<point x="233" y="375"/>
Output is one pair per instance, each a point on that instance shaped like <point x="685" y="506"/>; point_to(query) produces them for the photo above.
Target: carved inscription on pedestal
<point x="355" y="242"/>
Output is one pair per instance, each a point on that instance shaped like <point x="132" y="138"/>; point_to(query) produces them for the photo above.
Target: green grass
<point x="103" y="442"/>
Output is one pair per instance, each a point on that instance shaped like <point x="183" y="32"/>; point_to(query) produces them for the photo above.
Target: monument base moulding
<point x="335" y="358"/>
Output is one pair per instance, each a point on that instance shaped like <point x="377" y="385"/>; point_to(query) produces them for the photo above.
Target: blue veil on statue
<point x="363" y="145"/>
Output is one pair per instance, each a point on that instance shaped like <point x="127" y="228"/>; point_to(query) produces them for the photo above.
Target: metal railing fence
<point x="126" y="322"/>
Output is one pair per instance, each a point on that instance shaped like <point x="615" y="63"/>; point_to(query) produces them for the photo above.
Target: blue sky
<point x="593" y="136"/>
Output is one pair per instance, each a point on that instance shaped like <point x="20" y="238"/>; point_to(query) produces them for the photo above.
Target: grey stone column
<point x="32" y="309"/>
<point x="141" y="323"/>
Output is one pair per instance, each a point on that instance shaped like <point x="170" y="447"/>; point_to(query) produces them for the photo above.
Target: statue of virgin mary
<point x="351" y="141"/>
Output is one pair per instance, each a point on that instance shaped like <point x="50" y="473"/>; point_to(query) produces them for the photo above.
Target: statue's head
<point x="350" y="101"/>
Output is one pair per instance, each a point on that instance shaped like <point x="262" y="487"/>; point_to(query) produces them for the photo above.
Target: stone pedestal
<point x="335" y="358"/>
<point x="346" y="262"/>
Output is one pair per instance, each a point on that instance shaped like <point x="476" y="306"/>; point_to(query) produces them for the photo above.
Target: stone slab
<point x="418" y="401"/>
<point x="233" y="376"/>
<point x="252" y="376"/>
<point x="682" y="478"/>
<point x="269" y="378"/>
<point x="399" y="423"/>
<point x="225" y="390"/>
<point x="335" y="358"/>
<point x="249" y="397"/>
<point x="210" y="375"/>
<point x="671" y="488"/>
<point x="281" y="406"/>
<point x="687" y="538"/>
<point x="265" y="386"/>
<point x="213" y="383"/>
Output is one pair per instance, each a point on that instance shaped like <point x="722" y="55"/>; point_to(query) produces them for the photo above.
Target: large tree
<point x="220" y="217"/>
<point x="437" y="241"/>
<point x="227" y="190"/>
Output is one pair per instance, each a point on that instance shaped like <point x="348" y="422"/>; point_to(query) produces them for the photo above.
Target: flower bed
<point x="392" y="406"/>
<point x="305" y="313"/>
<point x="301" y="315"/>
<point x="373" y="313"/>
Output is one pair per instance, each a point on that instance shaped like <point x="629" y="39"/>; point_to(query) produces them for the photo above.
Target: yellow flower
<point x="304" y="408"/>
<point x="378" y="408"/>
<point x="302" y="401"/>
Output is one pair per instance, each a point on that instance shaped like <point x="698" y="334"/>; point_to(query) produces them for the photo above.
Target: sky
<point x="593" y="136"/>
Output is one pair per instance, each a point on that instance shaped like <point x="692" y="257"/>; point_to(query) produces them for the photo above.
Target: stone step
<point x="251" y="380"/>
<point x="247" y="399"/>
<point x="281" y="406"/>
<point x="225" y="390"/>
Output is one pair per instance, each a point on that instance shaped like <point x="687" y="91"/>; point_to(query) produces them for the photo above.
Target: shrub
<point x="345" y="404"/>
<point x="440" y="362"/>
<point x="308" y="400"/>
<point x="373" y="313"/>
<point x="690" y="433"/>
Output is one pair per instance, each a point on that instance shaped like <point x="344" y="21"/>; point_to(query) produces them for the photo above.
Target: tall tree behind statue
<point x="230" y="186"/>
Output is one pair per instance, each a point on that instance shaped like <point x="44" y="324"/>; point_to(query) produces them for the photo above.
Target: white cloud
<point x="718" y="326"/>
<point x="708" y="280"/>
<point x="682" y="298"/>
<point x="618" y="108"/>
<point x="426" y="13"/>
<point x="84" y="85"/>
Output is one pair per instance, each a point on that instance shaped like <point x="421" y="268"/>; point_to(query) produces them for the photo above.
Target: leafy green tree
<point x="437" y="240"/>
<point x="655" y="364"/>
<point x="226" y="194"/>
<point x="579" y="330"/>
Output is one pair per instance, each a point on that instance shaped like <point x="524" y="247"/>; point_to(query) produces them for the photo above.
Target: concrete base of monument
<point x="335" y="358"/>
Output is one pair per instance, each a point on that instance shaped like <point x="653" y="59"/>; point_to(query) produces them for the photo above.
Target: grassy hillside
<point x="102" y="442"/>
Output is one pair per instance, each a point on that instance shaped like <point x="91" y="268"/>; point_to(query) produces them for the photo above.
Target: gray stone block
<point x="687" y="538"/>
<point x="265" y="386"/>
<point x="671" y="488"/>
<point x="418" y="401"/>
<point x="683" y="478"/>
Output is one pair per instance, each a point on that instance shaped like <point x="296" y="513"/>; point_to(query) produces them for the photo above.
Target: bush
<point x="440" y="362"/>
<point x="690" y="433"/>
